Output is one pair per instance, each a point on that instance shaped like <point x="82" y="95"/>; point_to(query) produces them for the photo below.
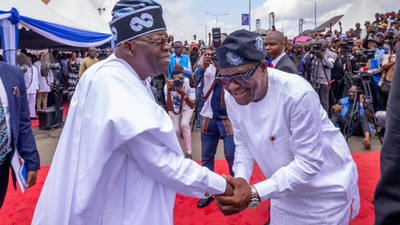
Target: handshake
<point x="238" y="196"/>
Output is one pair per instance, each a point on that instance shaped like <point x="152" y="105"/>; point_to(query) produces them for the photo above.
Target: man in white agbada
<point x="31" y="76"/>
<point x="312" y="178"/>
<point x="118" y="160"/>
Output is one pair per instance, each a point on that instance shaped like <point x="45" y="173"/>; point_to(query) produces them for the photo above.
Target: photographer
<point x="321" y="61"/>
<point x="374" y="70"/>
<point x="359" y="59"/>
<point x="352" y="117"/>
<point x="387" y="76"/>
<point x="180" y="102"/>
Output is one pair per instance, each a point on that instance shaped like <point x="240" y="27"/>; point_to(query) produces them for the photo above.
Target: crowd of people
<point x="115" y="160"/>
<point x="40" y="80"/>
<point x="332" y="62"/>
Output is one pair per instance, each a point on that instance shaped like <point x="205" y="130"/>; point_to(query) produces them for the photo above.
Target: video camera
<point x="369" y="54"/>
<point x="361" y="60"/>
<point x="347" y="46"/>
<point x="317" y="47"/>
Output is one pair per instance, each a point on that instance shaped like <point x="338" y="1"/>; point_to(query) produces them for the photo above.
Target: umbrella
<point x="303" y="39"/>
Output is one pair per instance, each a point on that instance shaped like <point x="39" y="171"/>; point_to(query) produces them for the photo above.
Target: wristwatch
<point x="255" y="200"/>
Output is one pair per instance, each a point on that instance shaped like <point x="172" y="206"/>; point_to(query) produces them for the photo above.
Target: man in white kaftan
<point x="312" y="178"/>
<point x="118" y="160"/>
<point x="31" y="76"/>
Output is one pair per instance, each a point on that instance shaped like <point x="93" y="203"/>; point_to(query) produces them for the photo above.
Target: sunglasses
<point x="238" y="78"/>
<point x="160" y="41"/>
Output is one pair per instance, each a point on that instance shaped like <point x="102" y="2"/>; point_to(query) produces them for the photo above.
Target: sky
<point x="184" y="18"/>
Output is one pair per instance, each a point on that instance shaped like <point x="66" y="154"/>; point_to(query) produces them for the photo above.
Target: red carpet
<point x="18" y="208"/>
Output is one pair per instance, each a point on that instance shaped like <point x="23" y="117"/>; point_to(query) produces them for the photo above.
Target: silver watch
<point x="255" y="200"/>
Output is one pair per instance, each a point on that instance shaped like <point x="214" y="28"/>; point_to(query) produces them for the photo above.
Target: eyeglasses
<point x="238" y="78"/>
<point x="160" y="41"/>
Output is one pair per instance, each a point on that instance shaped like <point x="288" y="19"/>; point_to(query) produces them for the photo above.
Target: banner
<point x="245" y="19"/>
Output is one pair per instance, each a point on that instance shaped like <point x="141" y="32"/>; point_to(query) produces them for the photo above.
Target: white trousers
<point x="32" y="104"/>
<point x="181" y="124"/>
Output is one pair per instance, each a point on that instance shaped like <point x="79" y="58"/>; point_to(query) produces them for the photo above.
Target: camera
<point x="360" y="60"/>
<point x="177" y="84"/>
<point x="369" y="54"/>
<point x="347" y="46"/>
<point x="317" y="47"/>
<point x="216" y="35"/>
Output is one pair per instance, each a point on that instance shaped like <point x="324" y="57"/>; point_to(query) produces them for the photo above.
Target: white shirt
<point x="31" y="79"/>
<point x="118" y="160"/>
<point x="44" y="81"/>
<point x="209" y="76"/>
<point x="312" y="178"/>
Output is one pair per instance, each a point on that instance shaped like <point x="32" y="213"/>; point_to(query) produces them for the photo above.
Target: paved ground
<point x="47" y="140"/>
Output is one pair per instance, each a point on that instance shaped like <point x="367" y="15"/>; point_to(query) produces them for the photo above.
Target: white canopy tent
<point x="104" y="7"/>
<point x="36" y="16"/>
<point x="82" y="11"/>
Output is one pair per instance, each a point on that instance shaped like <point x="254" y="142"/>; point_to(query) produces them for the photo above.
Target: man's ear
<point x="128" y="47"/>
<point x="264" y="65"/>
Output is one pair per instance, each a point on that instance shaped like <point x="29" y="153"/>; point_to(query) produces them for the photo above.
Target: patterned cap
<point x="240" y="48"/>
<point x="135" y="18"/>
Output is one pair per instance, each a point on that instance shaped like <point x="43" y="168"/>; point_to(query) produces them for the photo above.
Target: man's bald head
<point x="274" y="44"/>
<point x="276" y="35"/>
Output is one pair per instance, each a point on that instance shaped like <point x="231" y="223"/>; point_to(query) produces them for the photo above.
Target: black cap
<point x="239" y="48"/>
<point x="135" y="18"/>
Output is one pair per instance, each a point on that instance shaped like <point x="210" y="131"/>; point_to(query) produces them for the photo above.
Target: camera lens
<point x="178" y="84"/>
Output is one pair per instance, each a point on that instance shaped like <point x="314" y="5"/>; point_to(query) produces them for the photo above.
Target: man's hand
<point x="228" y="190"/>
<point x="30" y="179"/>
<point x="336" y="108"/>
<point x="206" y="62"/>
<point x="319" y="55"/>
<point x="239" y="201"/>
<point x="170" y="84"/>
<point x="180" y="91"/>
<point x="178" y="67"/>
<point x="380" y="83"/>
